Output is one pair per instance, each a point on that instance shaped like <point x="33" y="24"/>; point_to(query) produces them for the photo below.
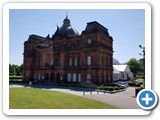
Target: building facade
<point x="68" y="56"/>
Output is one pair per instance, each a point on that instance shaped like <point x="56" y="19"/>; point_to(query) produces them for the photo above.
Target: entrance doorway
<point x="53" y="77"/>
<point x="47" y="77"/>
<point x="58" y="77"/>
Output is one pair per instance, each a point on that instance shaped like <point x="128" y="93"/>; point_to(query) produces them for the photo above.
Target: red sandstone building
<point x="70" y="57"/>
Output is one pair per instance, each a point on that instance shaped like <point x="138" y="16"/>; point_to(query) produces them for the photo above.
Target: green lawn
<point x="139" y="80"/>
<point x="31" y="98"/>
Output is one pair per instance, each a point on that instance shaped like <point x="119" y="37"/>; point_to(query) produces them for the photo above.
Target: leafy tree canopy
<point x="135" y="66"/>
<point x="15" y="70"/>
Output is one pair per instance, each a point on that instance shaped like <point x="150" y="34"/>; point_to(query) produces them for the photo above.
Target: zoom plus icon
<point x="147" y="99"/>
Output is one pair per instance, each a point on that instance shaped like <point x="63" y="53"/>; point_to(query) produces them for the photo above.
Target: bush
<point x="106" y="88"/>
<point x="142" y="87"/>
<point x="110" y="88"/>
<point x="101" y="87"/>
<point x="121" y="87"/>
<point x="116" y="88"/>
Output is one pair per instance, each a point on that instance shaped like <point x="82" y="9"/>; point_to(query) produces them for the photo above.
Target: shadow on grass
<point x="51" y="86"/>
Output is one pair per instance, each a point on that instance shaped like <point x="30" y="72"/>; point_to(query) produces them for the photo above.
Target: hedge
<point x="15" y="77"/>
<point x="110" y="88"/>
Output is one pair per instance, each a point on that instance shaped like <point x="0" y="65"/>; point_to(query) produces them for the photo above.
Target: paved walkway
<point x="124" y="100"/>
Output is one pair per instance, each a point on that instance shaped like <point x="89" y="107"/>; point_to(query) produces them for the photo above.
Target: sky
<point x="126" y="26"/>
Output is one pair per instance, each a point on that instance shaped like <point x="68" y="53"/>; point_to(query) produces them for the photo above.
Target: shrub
<point x="101" y="88"/>
<point x="121" y="87"/>
<point x="110" y="88"/>
<point x="116" y="88"/>
<point x="142" y="87"/>
<point x="106" y="88"/>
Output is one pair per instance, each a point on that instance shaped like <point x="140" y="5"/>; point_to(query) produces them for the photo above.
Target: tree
<point x="21" y="68"/>
<point x="15" y="69"/>
<point x="18" y="72"/>
<point x="135" y="66"/>
<point x="12" y="70"/>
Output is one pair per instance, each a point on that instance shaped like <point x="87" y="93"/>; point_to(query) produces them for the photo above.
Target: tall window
<point x="88" y="60"/>
<point x="79" y="77"/>
<point x="80" y="61"/>
<point x="70" y="61"/>
<point x="75" y="61"/>
<point x="39" y="76"/>
<point x="36" y="61"/>
<point x="89" y="41"/>
<point x="69" y="77"/>
<point x="51" y="62"/>
<point x="106" y="61"/>
<point x="74" y="77"/>
<point x="26" y="76"/>
<point x="35" y="75"/>
<point x="102" y="60"/>
<point x="88" y="78"/>
<point x="57" y="59"/>
<point x="110" y="62"/>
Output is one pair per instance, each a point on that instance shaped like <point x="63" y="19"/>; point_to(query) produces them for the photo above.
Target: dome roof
<point x="115" y="62"/>
<point x="66" y="29"/>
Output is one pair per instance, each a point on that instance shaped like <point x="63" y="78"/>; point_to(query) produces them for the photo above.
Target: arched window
<point x="52" y="77"/>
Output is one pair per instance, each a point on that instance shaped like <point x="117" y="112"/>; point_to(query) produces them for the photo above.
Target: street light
<point x="143" y="60"/>
<point x="143" y="54"/>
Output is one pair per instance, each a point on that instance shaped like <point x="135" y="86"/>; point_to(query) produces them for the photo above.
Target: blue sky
<point x="127" y="27"/>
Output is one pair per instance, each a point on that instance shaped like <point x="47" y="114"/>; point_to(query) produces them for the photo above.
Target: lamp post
<point x="143" y="59"/>
<point x="143" y="54"/>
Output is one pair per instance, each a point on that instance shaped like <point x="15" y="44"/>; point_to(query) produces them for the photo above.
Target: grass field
<point x="31" y="98"/>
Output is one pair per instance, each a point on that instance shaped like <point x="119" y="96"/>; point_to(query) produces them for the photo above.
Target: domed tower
<point x="66" y="22"/>
<point x="115" y="62"/>
<point x="66" y="30"/>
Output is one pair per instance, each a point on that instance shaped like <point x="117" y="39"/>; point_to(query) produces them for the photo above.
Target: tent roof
<point x="115" y="71"/>
<point x="120" y="68"/>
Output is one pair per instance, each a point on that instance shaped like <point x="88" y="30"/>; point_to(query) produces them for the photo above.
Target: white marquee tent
<point x="122" y="72"/>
